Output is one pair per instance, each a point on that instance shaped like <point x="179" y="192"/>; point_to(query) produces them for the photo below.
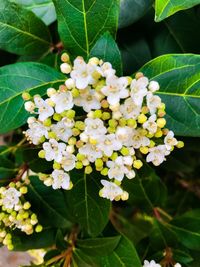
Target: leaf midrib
<point x="25" y="33"/>
<point x="29" y="90"/>
<point x="47" y="204"/>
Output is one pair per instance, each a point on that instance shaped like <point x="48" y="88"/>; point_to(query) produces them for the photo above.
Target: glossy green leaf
<point x="146" y="190"/>
<point x="84" y="204"/>
<point x="49" y="204"/>
<point x="181" y="256"/>
<point x="22" y="32"/>
<point x="14" y="80"/>
<point x="107" y="50"/>
<point x="23" y="242"/>
<point x="80" y="259"/>
<point x="132" y="10"/>
<point x="167" y="8"/>
<point x="187" y="229"/>
<point x="134" y="229"/>
<point x="124" y="255"/>
<point x="98" y="246"/>
<point x="179" y="79"/>
<point x="43" y="9"/>
<point x="82" y="22"/>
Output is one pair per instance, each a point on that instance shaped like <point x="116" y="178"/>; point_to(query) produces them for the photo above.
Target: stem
<point x="164" y="213"/>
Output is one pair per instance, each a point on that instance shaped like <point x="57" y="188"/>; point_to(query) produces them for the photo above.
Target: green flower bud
<point x="41" y="154"/>
<point x="88" y="169"/>
<point x="57" y="117"/>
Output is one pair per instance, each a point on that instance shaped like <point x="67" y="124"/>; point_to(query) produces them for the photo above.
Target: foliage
<point x="160" y="221"/>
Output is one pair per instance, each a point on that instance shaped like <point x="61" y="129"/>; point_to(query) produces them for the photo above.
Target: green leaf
<point x="48" y="204"/>
<point x="79" y="259"/>
<point x="181" y="256"/>
<point x="98" y="246"/>
<point x="124" y="255"/>
<point x="82" y="22"/>
<point x="187" y="229"/>
<point x="167" y="8"/>
<point x="22" y="32"/>
<point x="84" y="204"/>
<point x="107" y="49"/>
<point x="23" y="242"/>
<point x="146" y="190"/>
<point x="132" y="10"/>
<point x="36" y="164"/>
<point x="14" y="80"/>
<point x="179" y="79"/>
<point x="136" y="229"/>
<point x="43" y="9"/>
<point x="162" y="236"/>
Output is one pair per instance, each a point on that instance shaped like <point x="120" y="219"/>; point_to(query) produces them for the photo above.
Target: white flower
<point x="62" y="131"/>
<point x="44" y="109"/>
<point x="129" y="109"/>
<point x="108" y="144"/>
<point x="123" y="135"/>
<point x="10" y="198"/>
<point x="54" y="150"/>
<point x="151" y="264"/>
<point x="29" y="106"/>
<point x="139" y="90"/>
<point x="170" y="141"/>
<point x="151" y="124"/>
<point x="139" y="139"/>
<point x="65" y="68"/>
<point x="61" y="179"/>
<point x="177" y="265"/>
<point x="157" y="154"/>
<point x="63" y="101"/>
<point x="82" y="73"/>
<point x="153" y="102"/>
<point x="130" y="174"/>
<point x="68" y="161"/>
<point x="35" y="132"/>
<point x="153" y="86"/>
<point x="115" y="89"/>
<point x="87" y="100"/>
<point x="107" y="69"/>
<point x="91" y="152"/>
<point x="94" y="127"/>
<point x="117" y="169"/>
<point x="110" y="190"/>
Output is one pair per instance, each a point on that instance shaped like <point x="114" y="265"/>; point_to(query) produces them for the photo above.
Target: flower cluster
<point x="96" y="120"/>
<point x="152" y="263"/>
<point x="15" y="213"/>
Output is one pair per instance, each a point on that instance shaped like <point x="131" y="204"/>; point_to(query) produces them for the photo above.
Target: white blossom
<point x="54" y="150"/>
<point x="62" y="131"/>
<point x="153" y="102"/>
<point x="151" y="264"/>
<point x="139" y="90"/>
<point x="153" y="86"/>
<point x="124" y="134"/>
<point x="108" y="143"/>
<point x="129" y="109"/>
<point x="61" y="179"/>
<point x="94" y="127"/>
<point x="44" y="109"/>
<point x="35" y="132"/>
<point x="68" y="161"/>
<point x="107" y="69"/>
<point x="63" y="101"/>
<point x="82" y="73"/>
<point x="10" y="198"/>
<point x="91" y="152"/>
<point x="117" y="169"/>
<point x="170" y="141"/>
<point x="157" y="154"/>
<point x="151" y="124"/>
<point x="139" y="139"/>
<point x="87" y="100"/>
<point x="110" y="190"/>
<point x="115" y="89"/>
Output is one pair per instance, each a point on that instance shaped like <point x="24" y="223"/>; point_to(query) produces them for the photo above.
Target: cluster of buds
<point x="15" y="213"/>
<point x="96" y="120"/>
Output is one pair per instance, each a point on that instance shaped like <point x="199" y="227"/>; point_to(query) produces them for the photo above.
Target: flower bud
<point x="65" y="68"/>
<point x="29" y="106"/>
